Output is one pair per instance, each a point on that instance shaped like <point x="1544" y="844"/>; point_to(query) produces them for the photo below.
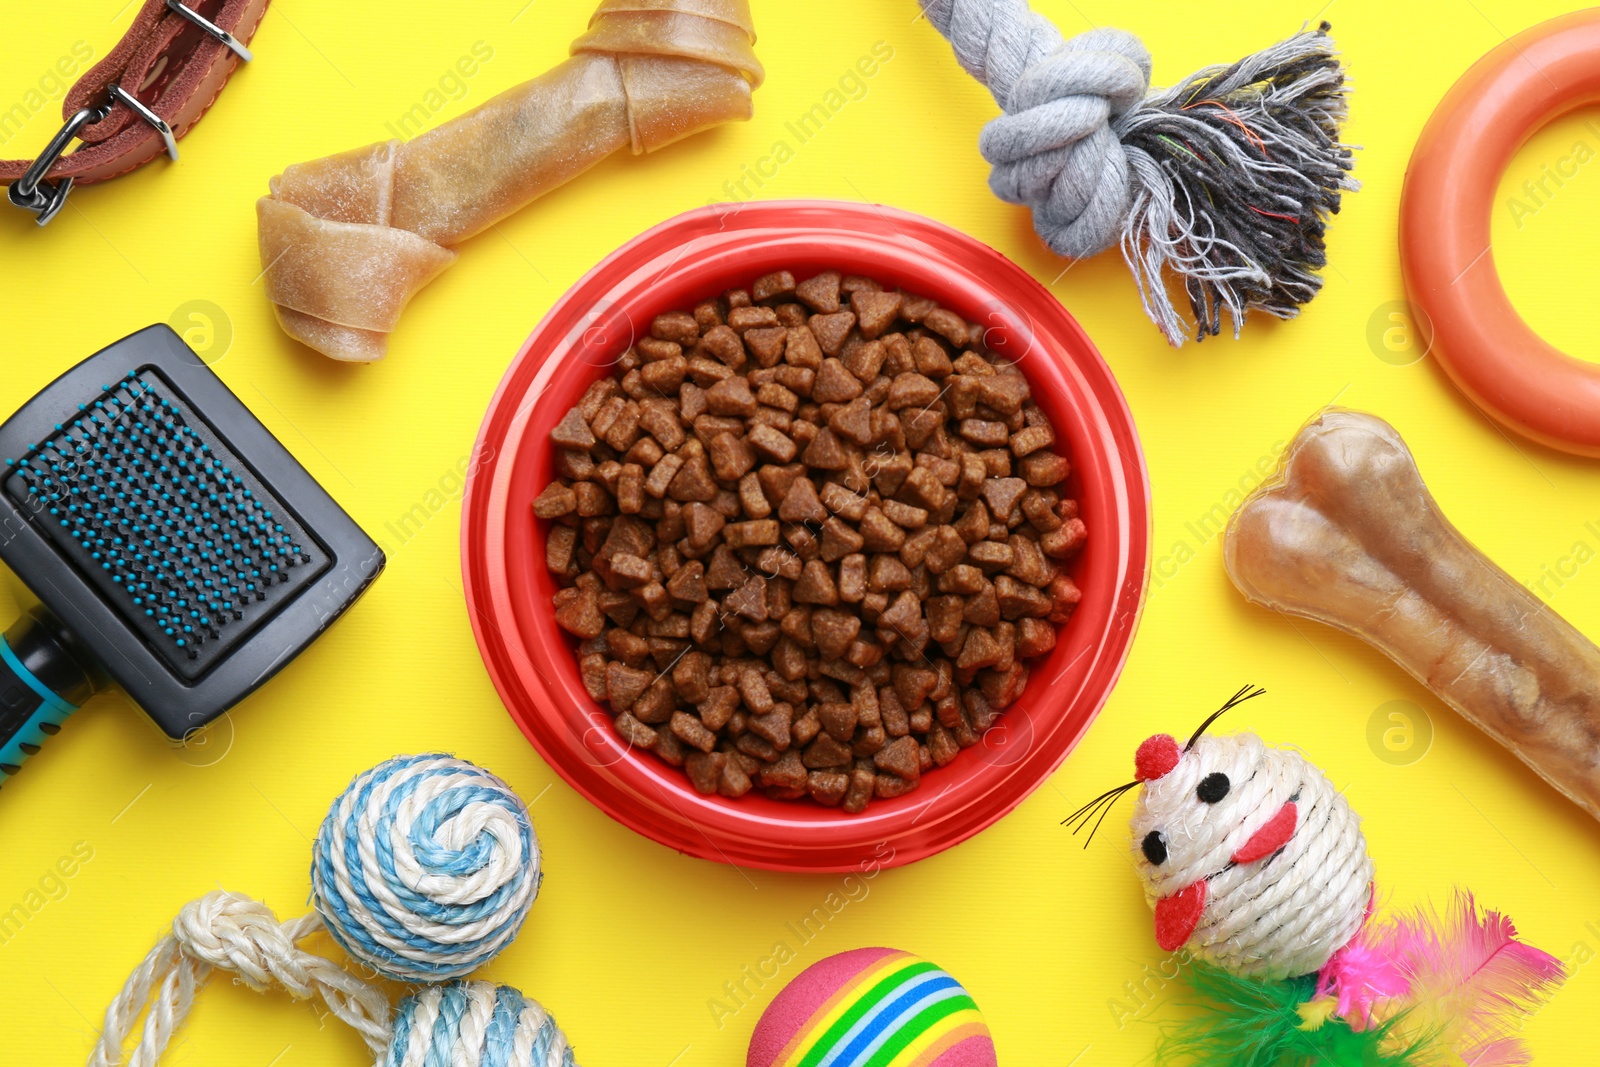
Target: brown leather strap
<point x="168" y="64"/>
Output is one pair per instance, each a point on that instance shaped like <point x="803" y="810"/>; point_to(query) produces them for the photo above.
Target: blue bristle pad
<point x="179" y="532"/>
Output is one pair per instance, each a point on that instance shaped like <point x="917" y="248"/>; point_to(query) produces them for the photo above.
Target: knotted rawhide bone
<point x="347" y="240"/>
<point x="1226" y="179"/>
<point x="1348" y="534"/>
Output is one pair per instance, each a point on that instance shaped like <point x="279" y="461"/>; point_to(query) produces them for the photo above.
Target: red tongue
<point x="1178" y="915"/>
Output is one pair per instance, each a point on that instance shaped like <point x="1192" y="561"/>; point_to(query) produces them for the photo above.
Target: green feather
<point x="1247" y="1022"/>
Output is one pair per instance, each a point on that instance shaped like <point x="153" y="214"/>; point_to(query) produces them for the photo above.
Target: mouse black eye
<point x="1213" y="787"/>
<point x="1155" y="847"/>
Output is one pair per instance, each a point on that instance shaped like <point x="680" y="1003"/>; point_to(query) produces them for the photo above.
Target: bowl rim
<point x="513" y="629"/>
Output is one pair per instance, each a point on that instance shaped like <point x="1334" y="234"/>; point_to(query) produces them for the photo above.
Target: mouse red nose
<point x="1157" y="756"/>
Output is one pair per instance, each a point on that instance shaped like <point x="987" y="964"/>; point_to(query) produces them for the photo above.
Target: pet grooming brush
<point x="174" y="547"/>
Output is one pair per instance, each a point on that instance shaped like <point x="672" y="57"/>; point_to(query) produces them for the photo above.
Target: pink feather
<point x="1471" y="982"/>
<point x="1360" y="976"/>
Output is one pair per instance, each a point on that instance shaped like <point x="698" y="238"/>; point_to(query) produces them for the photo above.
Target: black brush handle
<point x="41" y="683"/>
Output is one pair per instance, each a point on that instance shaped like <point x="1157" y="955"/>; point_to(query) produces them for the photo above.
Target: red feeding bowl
<point x="698" y="255"/>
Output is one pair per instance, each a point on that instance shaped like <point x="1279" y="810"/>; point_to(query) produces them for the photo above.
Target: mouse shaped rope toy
<point x="424" y="870"/>
<point x="1259" y="879"/>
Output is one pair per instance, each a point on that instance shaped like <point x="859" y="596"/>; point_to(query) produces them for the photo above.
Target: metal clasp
<point x="212" y="28"/>
<point x="31" y="191"/>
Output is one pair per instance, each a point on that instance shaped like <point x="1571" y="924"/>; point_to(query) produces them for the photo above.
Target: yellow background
<point x="629" y="943"/>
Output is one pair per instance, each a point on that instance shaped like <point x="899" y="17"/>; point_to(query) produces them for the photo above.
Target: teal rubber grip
<point x="29" y="712"/>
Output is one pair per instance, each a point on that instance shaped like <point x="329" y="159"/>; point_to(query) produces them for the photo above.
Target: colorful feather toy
<point x="1255" y="866"/>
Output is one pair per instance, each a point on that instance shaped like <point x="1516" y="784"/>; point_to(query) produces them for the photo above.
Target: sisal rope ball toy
<point x="424" y="869"/>
<point x="1226" y="179"/>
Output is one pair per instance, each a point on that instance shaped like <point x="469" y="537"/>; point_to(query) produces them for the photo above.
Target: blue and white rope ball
<point x="425" y="868"/>
<point x="476" y="1023"/>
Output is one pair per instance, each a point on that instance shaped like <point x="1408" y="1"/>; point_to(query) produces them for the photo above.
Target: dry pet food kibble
<point x="807" y="536"/>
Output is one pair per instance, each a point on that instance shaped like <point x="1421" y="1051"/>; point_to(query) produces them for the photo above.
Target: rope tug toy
<point x="424" y="870"/>
<point x="1259" y="878"/>
<point x="1227" y="178"/>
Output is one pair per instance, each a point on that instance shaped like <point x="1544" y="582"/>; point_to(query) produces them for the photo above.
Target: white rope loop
<point x="233" y="933"/>
<point x="425" y="867"/>
<point x="1278" y="917"/>
<point x="462" y="1024"/>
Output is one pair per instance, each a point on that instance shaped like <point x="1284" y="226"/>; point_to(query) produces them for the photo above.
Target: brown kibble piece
<point x="1044" y="469"/>
<point x="839" y="540"/>
<point x="558" y="549"/>
<point x="1030" y="439"/>
<point x="931" y="359"/>
<point x="678" y="326"/>
<point x="1035" y="637"/>
<point x="828" y="787"/>
<point x="879" y="534"/>
<point x="801" y="504"/>
<point x="1003" y="392"/>
<point x="766" y="344"/>
<point x="859" y="794"/>
<point x="1002" y="495"/>
<point x="835" y="384"/>
<point x="731" y="396"/>
<point x="624" y="685"/>
<point x="820" y="294"/>
<point x="692" y="732"/>
<point x="801" y="349"/>
<point x="731" y="456"/>
<point x="634" y="732"/>
<point x="556" y="500"/>
<point x="749" y="601"/>
<point x="833" y="630"/>
<point x="1062" y="543"/>
<point x="755" y="532"/>
<point x="705" y="770"/>
<point x="853" y="421"/>
<point x="693" y="482"/>
<point x="572" y="431"/>
<point x="581" y="616"/>
<point x="825" y="452"/>
<point x="772" y="444"/>
<point x="901" y="758"/>
<point x="702" y="524"/>
<point x="816" y="585"/>
<point x="775" y="286"/>
<point x="912" y="390"/>
<point x="875" y="311"/>
<point x="947" y="324"/>
<point x="839" y="719"/>
<point x="826" y="752"/>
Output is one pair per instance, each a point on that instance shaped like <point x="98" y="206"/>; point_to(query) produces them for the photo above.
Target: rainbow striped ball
<point x="873" y="1007"/>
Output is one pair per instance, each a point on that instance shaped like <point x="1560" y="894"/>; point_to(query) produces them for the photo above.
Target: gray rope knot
<point x="1055" y="149"/>
<point x="1225" y="180"/>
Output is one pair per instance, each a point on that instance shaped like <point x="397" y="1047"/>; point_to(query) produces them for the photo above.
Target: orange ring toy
<point x="1463" y="312"/>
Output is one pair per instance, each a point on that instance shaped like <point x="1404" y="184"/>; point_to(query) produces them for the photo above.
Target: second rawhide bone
<point x="1347" y="534"/>
<point x="346" y="241"/>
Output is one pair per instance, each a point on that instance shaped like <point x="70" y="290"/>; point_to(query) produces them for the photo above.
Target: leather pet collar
<point x="172" y="63"/>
